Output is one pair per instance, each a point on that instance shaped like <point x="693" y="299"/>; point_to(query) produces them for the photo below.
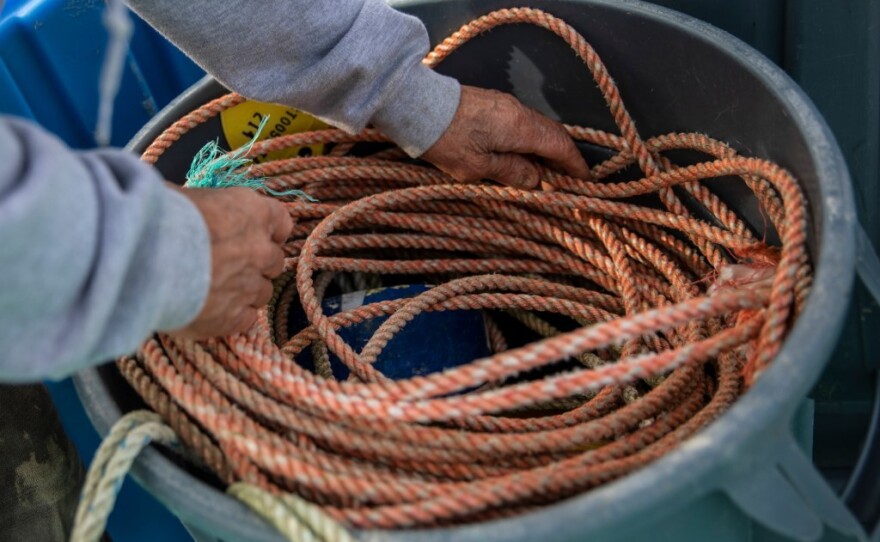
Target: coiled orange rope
<point x="672" y="313"/>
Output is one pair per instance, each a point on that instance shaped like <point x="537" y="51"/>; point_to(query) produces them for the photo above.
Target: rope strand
<point x="647" y="329"/>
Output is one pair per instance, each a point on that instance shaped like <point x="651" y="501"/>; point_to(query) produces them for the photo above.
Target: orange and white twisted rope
<point x="655" y="321"/>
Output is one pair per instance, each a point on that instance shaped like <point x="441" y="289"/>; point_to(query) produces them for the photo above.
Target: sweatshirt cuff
<point x="419" y="110"/>
<point x="188" y="258"/>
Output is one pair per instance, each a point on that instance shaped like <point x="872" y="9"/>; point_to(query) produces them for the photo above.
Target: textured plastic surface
<point x="700" y="79"/>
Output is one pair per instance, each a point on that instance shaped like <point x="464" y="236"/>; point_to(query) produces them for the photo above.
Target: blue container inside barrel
<point x="431" y="342"/>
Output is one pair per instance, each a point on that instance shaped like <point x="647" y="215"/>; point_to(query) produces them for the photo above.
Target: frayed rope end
<point x="213" y="167"/>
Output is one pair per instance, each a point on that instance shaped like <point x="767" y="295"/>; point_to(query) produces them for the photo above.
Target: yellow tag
<point x="240" y="125"/>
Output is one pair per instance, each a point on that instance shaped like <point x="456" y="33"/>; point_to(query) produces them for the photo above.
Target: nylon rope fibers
<point x="648" y="320"/>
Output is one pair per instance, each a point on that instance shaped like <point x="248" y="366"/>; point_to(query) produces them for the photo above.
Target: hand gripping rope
<point x="653" y="320"/>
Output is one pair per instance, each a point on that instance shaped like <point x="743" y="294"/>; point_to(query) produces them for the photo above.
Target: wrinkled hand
<point x="494" y="136"/>
<point x="246" y="232"/>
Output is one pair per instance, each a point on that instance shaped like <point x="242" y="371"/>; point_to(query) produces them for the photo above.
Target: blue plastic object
<point x="431" y="342"/>
<point x="50" y="59"/>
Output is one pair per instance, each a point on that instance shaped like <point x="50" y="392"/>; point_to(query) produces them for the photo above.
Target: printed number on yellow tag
<point x="240" y="125"/>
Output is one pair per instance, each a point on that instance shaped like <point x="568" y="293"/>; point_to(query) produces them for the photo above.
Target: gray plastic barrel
<point x="745" y="477"/>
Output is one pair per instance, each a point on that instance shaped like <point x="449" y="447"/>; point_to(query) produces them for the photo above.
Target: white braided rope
<point x="131" y="434"/>
<point x="296" y="519"/>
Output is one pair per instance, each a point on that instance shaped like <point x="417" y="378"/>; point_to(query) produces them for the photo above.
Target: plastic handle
<point x="868" y="264"/>
<point x="862" y="493"/>
<point x="789" y="496"/>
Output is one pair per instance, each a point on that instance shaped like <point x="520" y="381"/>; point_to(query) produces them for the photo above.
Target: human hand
<point x="494" y="136"/>
<point x="246" y="231"/>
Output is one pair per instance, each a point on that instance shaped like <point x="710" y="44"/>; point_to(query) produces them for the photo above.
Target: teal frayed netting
<point x="213" y="167"/>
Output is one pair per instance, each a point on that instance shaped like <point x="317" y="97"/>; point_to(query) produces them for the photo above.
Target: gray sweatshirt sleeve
<point x="348" y="62"/>
<point x="95" y="252"/>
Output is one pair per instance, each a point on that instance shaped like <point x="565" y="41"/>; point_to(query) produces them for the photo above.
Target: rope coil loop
<point x="652" y="320"/>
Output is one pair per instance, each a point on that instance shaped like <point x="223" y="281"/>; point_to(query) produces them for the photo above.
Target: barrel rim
<point x="700" y="463"/>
